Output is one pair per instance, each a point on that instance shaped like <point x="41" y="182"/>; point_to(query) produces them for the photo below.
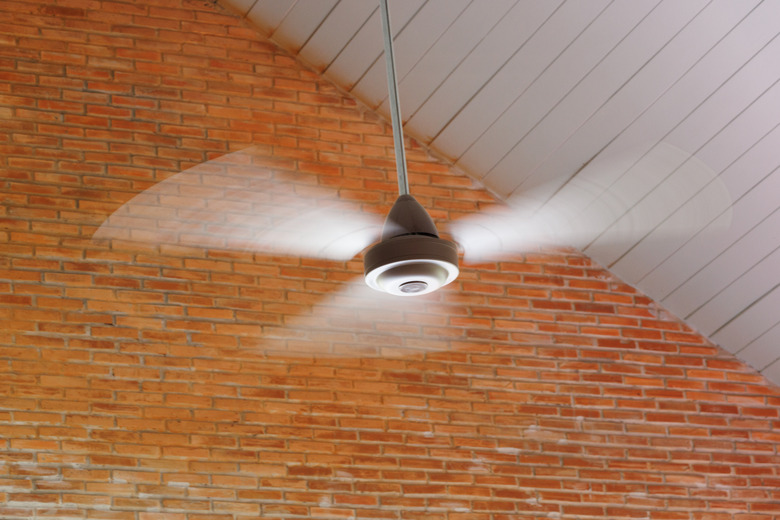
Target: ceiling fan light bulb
<point x="413" y="287"/>
<point x="411" y="265"/>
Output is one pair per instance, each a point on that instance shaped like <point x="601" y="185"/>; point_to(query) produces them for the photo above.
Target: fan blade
<point x="240" y="201"/>
<point x="611" y="203"/>
<point x="357" y="321"/>
<point x="495" y="231"/>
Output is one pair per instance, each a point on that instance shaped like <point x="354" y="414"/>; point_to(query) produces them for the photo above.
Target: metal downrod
<point x="395" y="109"/>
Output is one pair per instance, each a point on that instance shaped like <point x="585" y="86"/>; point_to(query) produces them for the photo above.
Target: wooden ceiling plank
<point x="753" y="321"/>
<point x="751" y="181"/>
<point x="752" y="77"/>
<point x="335" y="32"/>
<point x="636" y="96"/>
<point x="729" y="265"/>
<point x="241" y="7"/>
<point x="528" y="63"/>
<point x="763" y="351"/>
<point x="658" y="121"/>
<point x="704" y="212"/>
<point x="301" y="22"/>
<point x="481" y="64"/>
<point x="676" y="225"/>
<point x="748" y="292"/>
<point x="365" y="47"/>
<point x="542" y="134"/>
<point x="266" y="15"/>
<point x="447" y="52"/>
<point x="410" y="44"/>
<point x="772" y="372"/>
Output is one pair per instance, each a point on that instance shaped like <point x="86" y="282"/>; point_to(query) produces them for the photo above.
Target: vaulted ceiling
<point x="650" y="127"/>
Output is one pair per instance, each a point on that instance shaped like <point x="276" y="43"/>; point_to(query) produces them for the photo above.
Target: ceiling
<point x="657" y="120"/>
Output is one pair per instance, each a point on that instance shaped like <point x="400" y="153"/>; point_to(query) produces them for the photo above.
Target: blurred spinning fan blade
<point x="356" y="321"/>
<point x="240" y="201"/>
<point x="612" y="203"/>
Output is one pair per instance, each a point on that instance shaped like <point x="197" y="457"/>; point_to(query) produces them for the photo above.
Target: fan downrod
<point x="411" y="259"/>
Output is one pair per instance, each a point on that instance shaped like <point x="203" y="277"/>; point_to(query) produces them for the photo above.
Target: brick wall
<point x="151" y="379"/>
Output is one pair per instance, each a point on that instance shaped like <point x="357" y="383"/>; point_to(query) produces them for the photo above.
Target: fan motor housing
<point x="411" y="265"/>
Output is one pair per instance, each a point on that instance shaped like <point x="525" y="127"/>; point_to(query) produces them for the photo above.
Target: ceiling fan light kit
<point x="411" y="265"/>
<point x="411" y="259"/>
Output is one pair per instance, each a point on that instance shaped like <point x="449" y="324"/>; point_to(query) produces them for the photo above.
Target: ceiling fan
<point x="250" y="200"/>
<point x="410" y="259"/>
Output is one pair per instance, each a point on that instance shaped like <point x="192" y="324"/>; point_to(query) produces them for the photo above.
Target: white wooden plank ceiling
<point x="667" y="111"/>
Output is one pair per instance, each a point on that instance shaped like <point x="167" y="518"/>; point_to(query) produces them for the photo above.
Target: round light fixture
<point x="411" y="265"/>
<point x="411" y="259"/>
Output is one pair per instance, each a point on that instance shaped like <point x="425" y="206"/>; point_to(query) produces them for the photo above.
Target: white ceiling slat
<point x="410" y="44"/>
<point x="762" y="352"/>
<point x="490" y="54"/>
<point x="335" y="32"/>
<point x="737" y="94"/>
<point x="696" y="86"/>
<point x="516" y="75"/>
<point x="242" y="6"/>
<point x="471" y="26"/>
<point x="542" y="134"/>
<point x="541" y="99"/>
<point x="727" y="253"/>
<point x="751" y="323"/>
<point x="636" y="96"/>
<point x="736" y="297"/>
<point x="300" y="22"/>
<point x="641" y="173"/>
<point x="772" y="371"/>
<point x="750" y="183"/>
<point x="268" y="14"/>
<point x="646" y="221"/>
<point x="738" y="258"/>
<point x="724" y="149"/>
<point x="752" y="77"/>
<point x="706" y="211"/>
<point x="366" y="46"/>
<point x="703" y="124"/>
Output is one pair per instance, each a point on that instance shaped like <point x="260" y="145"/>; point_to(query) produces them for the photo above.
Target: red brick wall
<point x="145" y="380"/>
